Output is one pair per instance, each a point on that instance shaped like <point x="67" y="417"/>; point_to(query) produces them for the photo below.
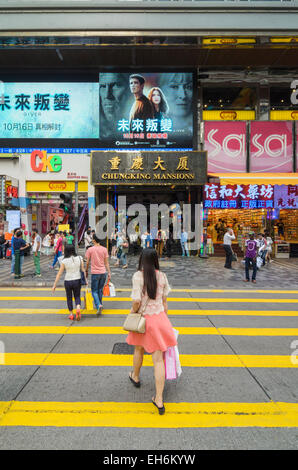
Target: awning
<point x="256" y="178"/>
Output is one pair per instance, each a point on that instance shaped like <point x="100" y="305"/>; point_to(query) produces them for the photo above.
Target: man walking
<point x="36" y="251"/>
<point x="19" y="245"/>
<point x="227" y="244"/>
<point x="251" y="257"/>
<point x="183" y="241"/>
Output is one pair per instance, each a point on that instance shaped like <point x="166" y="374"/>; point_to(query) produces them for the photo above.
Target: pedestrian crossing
<point x="38" y="337"/>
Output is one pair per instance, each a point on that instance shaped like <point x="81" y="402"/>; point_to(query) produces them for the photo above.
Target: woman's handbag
<point x="112" y="290"/>
<point x="234" y="256"/>
<point x="135" y="322"/>
<point x="83" y="279"/>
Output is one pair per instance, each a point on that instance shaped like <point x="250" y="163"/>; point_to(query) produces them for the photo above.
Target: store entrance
<point x="173" y="197"/>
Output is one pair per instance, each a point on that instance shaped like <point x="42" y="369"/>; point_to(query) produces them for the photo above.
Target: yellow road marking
<point x="254" y="291"/>
<point x="194" y="312"/>
<point x="144" y="415"/>
<point x="116" y="360"/>
<point x="118" y="330"/>
<point x="170" y="299"/>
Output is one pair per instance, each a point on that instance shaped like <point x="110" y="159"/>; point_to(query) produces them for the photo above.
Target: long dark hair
<point x="148" y="262"/>
<point x="69" y="251"/>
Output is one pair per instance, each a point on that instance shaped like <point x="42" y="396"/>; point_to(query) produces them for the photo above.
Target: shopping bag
<point x="170" y="363"/>
<point x="112" y="290"/>
<point x="106" y="290"/>
<point x="88" y="300"/>
<point x="259" y="262"/>
<point x="234" y="256"/>
<point x="178" y="364"/>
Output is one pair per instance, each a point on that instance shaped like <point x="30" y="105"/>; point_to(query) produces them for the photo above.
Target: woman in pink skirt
<point x="150" y="289"/>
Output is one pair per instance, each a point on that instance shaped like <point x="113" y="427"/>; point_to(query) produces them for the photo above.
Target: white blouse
<point x="153" y="306"/>
<point x="72" y="267"/>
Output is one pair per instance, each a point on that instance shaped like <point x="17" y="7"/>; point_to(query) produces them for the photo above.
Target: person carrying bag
<point x="148" y="322"/>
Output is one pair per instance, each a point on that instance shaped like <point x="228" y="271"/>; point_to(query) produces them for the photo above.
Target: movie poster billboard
<point x="43" y="110"/>
<point x="146" y="110"/>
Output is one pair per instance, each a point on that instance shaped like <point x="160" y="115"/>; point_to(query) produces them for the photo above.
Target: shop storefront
<point x="252" y="207"/>
<point x="149" y="178"/>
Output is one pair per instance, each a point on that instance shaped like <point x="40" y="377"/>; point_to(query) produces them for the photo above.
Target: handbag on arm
<point x="135" y="321"/>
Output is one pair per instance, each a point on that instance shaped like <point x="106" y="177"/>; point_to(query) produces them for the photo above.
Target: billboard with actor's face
<point x="146" y="110"/>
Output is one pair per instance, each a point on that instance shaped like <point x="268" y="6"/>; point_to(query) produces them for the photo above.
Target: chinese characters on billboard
<point x="49" y="110"/>
<point x="271" y="147"/>
<point x="286" y="197"/>
<point x="238" y="196"/>
<point x="146" y="110"/>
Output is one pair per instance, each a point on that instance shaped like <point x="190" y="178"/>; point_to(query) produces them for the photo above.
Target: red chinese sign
<point x="12" y="191"/>
<point x="238" y="196"/>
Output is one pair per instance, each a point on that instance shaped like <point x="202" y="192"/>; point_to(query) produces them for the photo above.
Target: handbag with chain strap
<point x="135" y="322"/>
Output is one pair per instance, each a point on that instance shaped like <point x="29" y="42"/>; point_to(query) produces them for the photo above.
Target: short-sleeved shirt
<point x="97" y="254"/>
<point x="251" y="248"/>
<point x="59" y="244"/>
<point x="18" y="243"/>
<point x="37" y="239"/>
<point x="72" y="267"/>
<point x="69" y="239"/>
<point x="153" y="306"/>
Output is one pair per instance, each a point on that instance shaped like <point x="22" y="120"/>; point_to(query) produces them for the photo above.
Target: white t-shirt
<point x="72" y="268"/>
<point x="47" y="241"/>
<point x="36" y="240"/>
<point x="228" y="239"/>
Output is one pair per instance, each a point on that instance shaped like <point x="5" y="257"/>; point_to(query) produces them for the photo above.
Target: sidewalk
<point x="190" y="272"/>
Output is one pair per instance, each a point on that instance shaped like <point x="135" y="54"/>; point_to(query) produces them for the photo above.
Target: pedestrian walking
<point x="3" y="245"/>
<point x="73" y="265"/>
<point x="123" y="248"/>
<point x="114" y="244"/>
<point x="227" y="244"/>
<point x="262" y="244"/>
<point x="269" y="243"/>
<point x="88" y="239"/>
<point x="58" y="249"/>
<point x="169" y="243"/>
<point x="36" y="251"/>
<point x="133" y="239"/>
<point x="69" y="238"/>
<point x="161" y="237"/>
<point x="98" y="256"/>
<point x="251" y="257"/>
<point x="46" y="243"/>
<point x="12" y="251"/>
<point x="150" y="288"/>
<point x="183" y="241"/>
<point x="19" y="245"/>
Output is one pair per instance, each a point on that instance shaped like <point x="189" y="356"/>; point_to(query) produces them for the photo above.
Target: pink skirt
<point x="159" y="334"/>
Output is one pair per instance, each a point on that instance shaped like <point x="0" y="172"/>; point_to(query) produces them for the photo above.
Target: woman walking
<point x="58" y="249"/>
<point x="149" y="295"/>
<point x="73" y="265"/>
<point x="99" y="257"/>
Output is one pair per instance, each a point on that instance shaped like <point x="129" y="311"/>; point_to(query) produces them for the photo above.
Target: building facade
<point x="227" y="80"/>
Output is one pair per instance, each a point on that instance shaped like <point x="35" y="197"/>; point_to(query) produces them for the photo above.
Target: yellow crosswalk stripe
<point x="171" y="312"/>
<point x="118" y="330"/>
<point x="144" y="415"/>
<point x="125" y="360"/>
<point x="127" y="289"/>
<point x="170" y="299"/>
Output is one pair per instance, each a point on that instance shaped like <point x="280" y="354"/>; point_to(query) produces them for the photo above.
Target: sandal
<point x="71" y="317"/>
<point x="78" y="315"/>
<point x="161" y="409"/>
<point x="136" y="384"/>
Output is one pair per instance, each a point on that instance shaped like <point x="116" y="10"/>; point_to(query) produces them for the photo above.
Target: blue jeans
<point x="184" y="248"/>
<point x="248" y="262"/>
<point x="57" y="255"/>
<point x="13" y="260"/>
<point x="97" y="284"/>
<point x="123" y="259"/>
